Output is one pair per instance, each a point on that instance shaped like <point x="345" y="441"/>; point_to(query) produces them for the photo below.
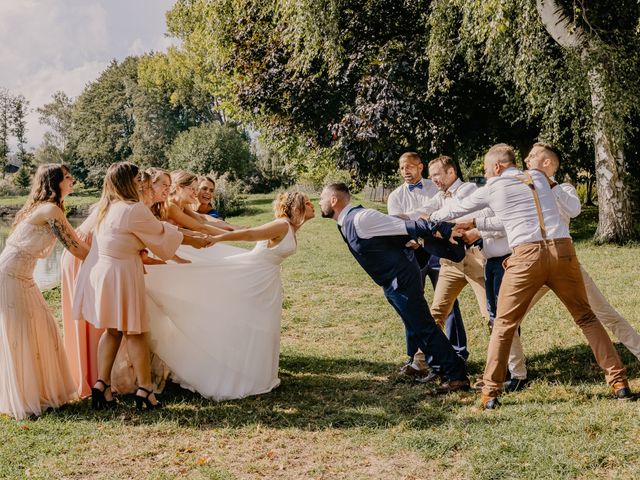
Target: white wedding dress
<point x="216" y="321"/>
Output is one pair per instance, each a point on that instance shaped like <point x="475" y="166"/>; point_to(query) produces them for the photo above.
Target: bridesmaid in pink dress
<point x="111" y="295"/>
<point x="80" y="337"/>
<point x="34" y="374"/>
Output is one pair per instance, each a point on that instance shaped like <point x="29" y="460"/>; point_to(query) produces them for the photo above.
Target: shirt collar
<point x="344" y="212"/>
<point x="511" y="171"/>
<point x="454" y="186"/>
<point x="423" y="180"/>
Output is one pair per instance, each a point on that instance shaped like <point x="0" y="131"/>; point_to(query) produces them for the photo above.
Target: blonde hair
<point x="45" y="189"/>
<point x="119" y="185"/>
<point x="502" y="153"/>
<point x="180" y="178"/>
<point x="290" y="205"/>
<point x="159" y="209"/>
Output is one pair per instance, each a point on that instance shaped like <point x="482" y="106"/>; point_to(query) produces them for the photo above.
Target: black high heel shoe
<point x="98" y="400"/>
<point x="140" y="400"/>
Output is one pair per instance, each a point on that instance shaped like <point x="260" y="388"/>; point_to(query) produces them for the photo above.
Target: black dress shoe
<point x="515" y="384"/>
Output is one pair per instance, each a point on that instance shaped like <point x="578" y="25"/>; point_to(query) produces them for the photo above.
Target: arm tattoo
<point x="61" y="231"/>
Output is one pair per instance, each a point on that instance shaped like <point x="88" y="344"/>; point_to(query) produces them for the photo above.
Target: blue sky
<point x="51" y="45"/>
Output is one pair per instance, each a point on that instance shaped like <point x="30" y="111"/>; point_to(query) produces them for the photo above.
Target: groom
<point x="379" y="244"/>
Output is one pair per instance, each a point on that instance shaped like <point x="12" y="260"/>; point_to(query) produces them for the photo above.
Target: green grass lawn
<point x="342" y="412"/>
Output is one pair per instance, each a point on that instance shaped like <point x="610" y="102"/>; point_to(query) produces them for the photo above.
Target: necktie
<point x="413" y="186"/>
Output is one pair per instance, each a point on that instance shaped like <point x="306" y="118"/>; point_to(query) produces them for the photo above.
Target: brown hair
<point x="45" y="188"/>
<point x="502" y="153"/>
<point x="203" y="178"/>
<point x="119" y="185"/>
<point x="445" y="161"/>
<point x="291" y="206"/>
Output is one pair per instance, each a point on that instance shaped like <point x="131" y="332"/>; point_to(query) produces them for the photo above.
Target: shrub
<point x="229" y="197"/>
<point x="10" y="189"/>
<point x="22" y="178"/>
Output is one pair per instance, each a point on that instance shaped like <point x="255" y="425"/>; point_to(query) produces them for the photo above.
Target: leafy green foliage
<point x="212" y="148"/>
<point x="22" y="177"/>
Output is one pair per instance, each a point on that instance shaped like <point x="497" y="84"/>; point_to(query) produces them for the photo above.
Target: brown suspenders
<point x="528" y="181"/>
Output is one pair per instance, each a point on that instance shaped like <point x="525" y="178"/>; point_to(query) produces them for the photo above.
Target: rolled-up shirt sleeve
<point x="478" y="200"/>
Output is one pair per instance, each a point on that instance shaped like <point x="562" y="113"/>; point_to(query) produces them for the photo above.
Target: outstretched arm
<point x="196" y="224"/>
<point x="275" y="231"/>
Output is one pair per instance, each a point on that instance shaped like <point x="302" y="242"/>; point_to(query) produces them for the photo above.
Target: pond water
<point x="47" y="272"/>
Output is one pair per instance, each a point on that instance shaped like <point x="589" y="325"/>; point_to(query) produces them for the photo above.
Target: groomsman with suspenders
<point x="543" y="254"/>
<point x="411" y="195"/>
<point x="547" y="160"/>
<point x="379" y="244"/>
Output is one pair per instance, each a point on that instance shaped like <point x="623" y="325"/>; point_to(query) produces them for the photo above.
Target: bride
<point x="216" y="321"/>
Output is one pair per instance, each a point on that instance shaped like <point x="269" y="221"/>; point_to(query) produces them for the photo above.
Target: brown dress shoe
<point x="409" y="370"/>
<point x="489" y="403"/>
<point x="453" y="386"/>
<point x="622" y="390"/>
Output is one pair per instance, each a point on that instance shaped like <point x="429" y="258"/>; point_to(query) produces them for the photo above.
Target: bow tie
<point x="413" y="186"/>
<point x="447" y="194"/>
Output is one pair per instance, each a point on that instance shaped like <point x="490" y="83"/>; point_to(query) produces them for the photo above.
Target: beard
<point x="327" y="214"/>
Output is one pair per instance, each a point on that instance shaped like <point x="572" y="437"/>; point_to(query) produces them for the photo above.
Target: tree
<point x="614" y="196"/>
<point x="341" y="72"/>
<point x="577" y="70"/>
<point x="18" y="112"/>
<point x="212" y="148"/>
<point x="22" y="178"/>
<point x="58" y="116"/>
<point x="5" y="128"/>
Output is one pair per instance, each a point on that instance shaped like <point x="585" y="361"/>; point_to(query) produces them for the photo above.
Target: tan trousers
<point x="553" y="263"/>
<point x="452" y="279"/>
<point x="607" y="315"/>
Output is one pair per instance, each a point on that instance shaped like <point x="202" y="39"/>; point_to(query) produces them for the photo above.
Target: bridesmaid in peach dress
<point x="111" y="295"/>
<point x="34" y="374"/>
<point x="80" y="337"/>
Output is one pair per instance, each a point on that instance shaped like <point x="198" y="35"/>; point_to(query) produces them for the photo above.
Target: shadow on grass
<point x="341" y="393"/>
<point x="576" y="365"/>
<point x="315" y="394"/>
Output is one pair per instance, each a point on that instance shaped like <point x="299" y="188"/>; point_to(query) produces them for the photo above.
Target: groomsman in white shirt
<point x="454" y="276"/>
<point x="543" y="254"/>
<point x="547" y="160"/>
<point x="415" y="192"/>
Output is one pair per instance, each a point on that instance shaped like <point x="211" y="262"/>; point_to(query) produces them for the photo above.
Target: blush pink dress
<point x="111" y="293"/>
<point x="80" y="337"/>
<point x="34" y="374"/>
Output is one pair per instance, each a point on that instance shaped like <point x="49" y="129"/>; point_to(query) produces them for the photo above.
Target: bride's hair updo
<point x="290" y="205"/>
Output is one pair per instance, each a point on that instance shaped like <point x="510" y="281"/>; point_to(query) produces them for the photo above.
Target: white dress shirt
<point x="402" y="200"/>
<point x="371" y="223"/>
<point x="568" y="201"/>
<point x="457" y="191"/>
<point x="494" y="240"/>
<point x="514" y="205"/>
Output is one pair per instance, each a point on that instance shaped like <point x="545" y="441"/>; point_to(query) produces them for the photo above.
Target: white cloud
<point x="51" y="45"/>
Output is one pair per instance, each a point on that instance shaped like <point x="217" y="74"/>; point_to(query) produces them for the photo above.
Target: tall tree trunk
<point x="615" y="213"/>
<point x="615" y="219"/>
